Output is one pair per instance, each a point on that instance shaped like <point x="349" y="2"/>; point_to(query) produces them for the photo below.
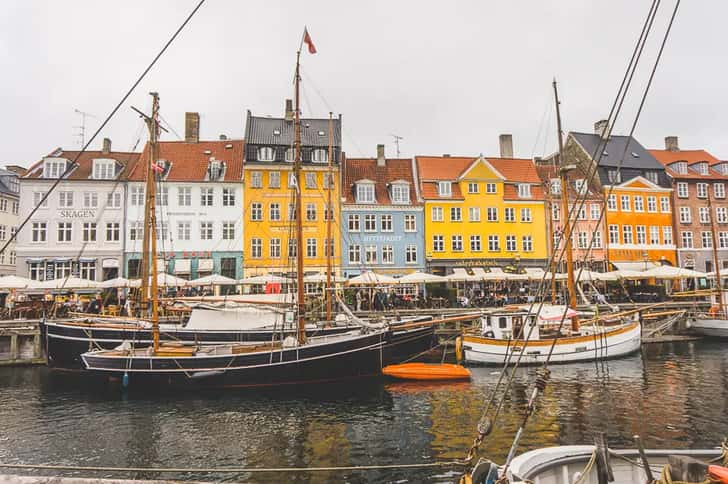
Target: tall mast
<point x="565" y="209"/>
<point x="299" y="210"/>
<point x="330" y="210"/>
<point x="718" y="281"/>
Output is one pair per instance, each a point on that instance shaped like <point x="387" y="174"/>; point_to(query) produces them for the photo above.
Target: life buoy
<point x="459" y="348"/>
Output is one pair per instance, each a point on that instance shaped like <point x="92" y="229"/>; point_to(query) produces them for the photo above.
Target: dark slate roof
<point x="4" y="188"/>
<point x="615" y="149"/>
<point x="259" y="131"/>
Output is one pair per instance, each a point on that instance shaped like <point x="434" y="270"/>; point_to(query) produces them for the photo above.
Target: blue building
<point x="382" y="225"/>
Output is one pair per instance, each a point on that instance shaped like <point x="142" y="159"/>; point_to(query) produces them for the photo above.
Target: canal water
<point x="673" y="395"/>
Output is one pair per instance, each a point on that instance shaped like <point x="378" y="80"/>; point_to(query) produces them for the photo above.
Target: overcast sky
<point x="448" y="77"/>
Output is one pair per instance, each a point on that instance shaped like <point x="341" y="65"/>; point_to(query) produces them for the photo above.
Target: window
<point x="639" y="204"/>
<point x="686" y="238"/>
<point x="473" y="188"/>
<point x="437" y="215"/>
<point x="320" y="156"/>
<point x="493" y="243"/>
<point x="681" y="167"/>
<point x="654" y="235"/>
<point x="256" y="248"/>
<point x="719" y="190"/>
<point x="400" y="193"/>
<point x="113" y="200"/>
<point x="444" y="189"/>
<point x="524" y="190"/>
<point x="256" y="212"/>
<point x="386" y="223"/>
<point x="652" y="204"/>
<point x="597" y="240"/>
<point x="311" y="247"/>
<point x="256" y="179"/>
<point x="365" y="193"/>
<point x="353" y="223"/>
<point x="36" y="271"/>
<point x="612" y="203"/>
<point x="65" y="231"/>
<point x="410" y="254"/>
<point x="582" y="240"/>
<point x="456" y="243"/>
<point x="509" y="214"/>
<point x="721" y="215"/>
<point x="228" y="197"/>
<point x="310" y="181"/>
<point x="370" y="254"/>
<point x="492" y="213"/>
<point x="65" y="199"/>
<point x="667" y="235"/>
<point x="410" y="223"/>
<point x="511" y="243"/>
<point x="89" y="231"/>
<point x="206" y="196"/>
<point x="702" y="190"/>
<point x="205" y="230"/>
<point x="685" y="217"/>
<point x="594" y="211"/>
<point x="438" y="243"/>
<point x="265" y="153"/>
<point x="228" y="230"/>
<point x="704" y="215"/>
<point x="555" y="186"/>
<point x="614" y="234"/>
<point x="525" y="215"/>
<point x="653" y="176"/>
<point x="624" y="199"/>
<point x="311" y="212"/>
<point x="370" y="223"/>
<point x="274" y="248"/>
<point x="184" y="230"/>
<point x="614" y="176"/>
<point x="627" y="234"/>
<point x="387" y="254"/>
<point x="354" y="254"/>
<point x="707" y="240"/>
<point x="162" y="196"/>
<point x="136" y="231"/>
<point x="527" y="243"/>
<point x="63" y="269"/>
<point x="456" y="214"/>
<point x="581" y="186"/>
<point x="682" y="190"/>
<point x="665" y="204"/>
<point x="53" y="169"/>
<point x="555" y="212"/>
<point x="490" y="188"/>
<point x="292" y="248"/>
<point x="474" y="214"/>
<point x="641" y="234"/>
<point x="274" y="212"/>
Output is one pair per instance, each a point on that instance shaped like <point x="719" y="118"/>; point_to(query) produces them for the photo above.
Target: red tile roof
<point x="85" y="163"/>
<point x="668" y="157"/>
<point x="189" y="160"/>
<point x="356" y="169"/>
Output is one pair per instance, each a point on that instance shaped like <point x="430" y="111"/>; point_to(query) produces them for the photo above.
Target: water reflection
<point x="673" y="395"/>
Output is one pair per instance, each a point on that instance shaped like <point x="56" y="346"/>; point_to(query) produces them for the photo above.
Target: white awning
<point x="204" y="265"/>
<point x="182" y="266"/>
<point x="110" y="263"/>
<point x="635" y="266"/>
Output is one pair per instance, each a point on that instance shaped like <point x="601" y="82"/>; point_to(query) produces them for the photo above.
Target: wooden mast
<point x="330" y="210"/>
<point x="718" y="281"/>
<point x="565" y="209"/>
<point x="301" y="303"/>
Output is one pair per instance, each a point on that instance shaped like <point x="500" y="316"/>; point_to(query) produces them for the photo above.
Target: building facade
<point x="638" y="199"/>
<point x="382" y="215"/>
<point x="9" y="211"/>
<point x="199" y="207"/>
<point x="79" y="228"/>
<point x="699" y="194"/>
<point x="270" y="239"/>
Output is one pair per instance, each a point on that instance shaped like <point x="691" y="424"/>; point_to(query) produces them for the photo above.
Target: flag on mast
<point x="308" y="41"/>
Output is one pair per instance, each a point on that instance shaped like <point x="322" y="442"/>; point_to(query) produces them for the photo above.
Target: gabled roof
<point x="261" y="130"/>
<point x="189" y="161"/>
<point x="635" y="156"/>
<point x="668" y="157"/>
<point x="84" y="163"/>
<point x="395" y="170"/>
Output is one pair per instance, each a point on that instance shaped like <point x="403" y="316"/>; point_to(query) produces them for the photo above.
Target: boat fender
<point x="459" y="348"/>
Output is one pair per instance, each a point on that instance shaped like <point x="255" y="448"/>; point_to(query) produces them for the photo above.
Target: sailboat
<point x="536" y="332"/>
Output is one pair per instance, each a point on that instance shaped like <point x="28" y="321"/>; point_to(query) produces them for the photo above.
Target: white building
<point x="79" y="228"/>
<point x="9" y="209"/>
<point x="199" y="207"/>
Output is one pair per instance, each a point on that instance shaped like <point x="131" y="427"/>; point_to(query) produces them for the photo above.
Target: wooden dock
<point x="20" y="343"/>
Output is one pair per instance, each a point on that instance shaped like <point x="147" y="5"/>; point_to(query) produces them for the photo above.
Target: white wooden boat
<point x="506" y="332"/>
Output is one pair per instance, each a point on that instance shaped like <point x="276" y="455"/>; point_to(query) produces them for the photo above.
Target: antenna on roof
<point x="82" y="129"/>
<point x="396" y="142"/>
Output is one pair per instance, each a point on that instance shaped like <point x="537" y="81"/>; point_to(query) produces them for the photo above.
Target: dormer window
<point x="681" y="167"/>
<point x="320" y="156"/>
<point x="524" y="190"/>
<point x="400" y="193"/>
<point x="580" y="186"/>
<point x="444" y="189"/>
<point x="290" y="155"/>
<point x="54" y="168"/>
<point x="265" y="153"/>
<point x="104" y="170"/>
<point x="555" y="186"/>
<point x="365" y="192"/>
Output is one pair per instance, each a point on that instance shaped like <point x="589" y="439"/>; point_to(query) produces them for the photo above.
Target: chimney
<point x="192" y="127"/>
<point x="671" y="143"/>
<point x="506" y="145"/>
<point x="289" y="110"/>
<point x="106" y="148"/>
<point x="601" y="128"/>
<point x="381" y="160"/>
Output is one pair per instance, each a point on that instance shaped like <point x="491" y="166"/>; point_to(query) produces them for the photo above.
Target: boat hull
<point x="714" y="327"/>
<point x="613" y="343"/>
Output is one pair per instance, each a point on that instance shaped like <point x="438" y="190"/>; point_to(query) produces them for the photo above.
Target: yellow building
<point x="269" y="188"/>
<point x="482" y="213"/>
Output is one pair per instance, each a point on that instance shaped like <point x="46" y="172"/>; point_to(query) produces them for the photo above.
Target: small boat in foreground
<point x="427" y="371"/>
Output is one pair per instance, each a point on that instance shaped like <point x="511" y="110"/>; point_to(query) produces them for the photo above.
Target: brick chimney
<point x="381" y="160"/>
<point x="289" y="110"/>
<point x="106" y="146"/>
<point x="671" y="143"/>
<point x="192" y="127"/>
<point x="601" y="128"/>
<point x="506" y="145"/>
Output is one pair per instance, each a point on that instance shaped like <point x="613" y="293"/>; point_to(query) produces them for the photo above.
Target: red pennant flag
<point x="308" y="41"/>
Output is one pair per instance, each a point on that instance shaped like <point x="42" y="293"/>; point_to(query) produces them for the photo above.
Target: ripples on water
<point x="673" y="395"/>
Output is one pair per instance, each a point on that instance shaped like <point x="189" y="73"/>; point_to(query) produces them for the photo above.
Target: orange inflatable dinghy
<point x="427" y="371"/>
